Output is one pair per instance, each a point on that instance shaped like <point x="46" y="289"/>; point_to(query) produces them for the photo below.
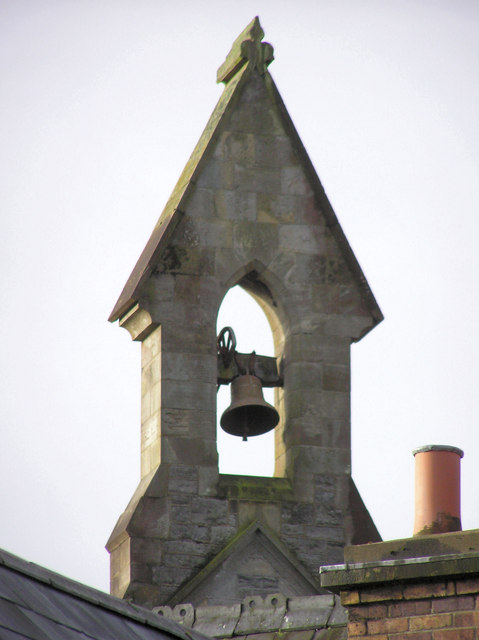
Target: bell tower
<point x="248" y="209"/>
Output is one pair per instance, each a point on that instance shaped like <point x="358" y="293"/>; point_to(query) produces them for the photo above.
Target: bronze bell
<point x="248" y="414"/>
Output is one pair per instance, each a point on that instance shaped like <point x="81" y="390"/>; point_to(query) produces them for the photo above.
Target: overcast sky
<point x="101" y="103"/>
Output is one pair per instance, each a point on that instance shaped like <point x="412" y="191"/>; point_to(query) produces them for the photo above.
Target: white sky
<point x="101" y="103"/>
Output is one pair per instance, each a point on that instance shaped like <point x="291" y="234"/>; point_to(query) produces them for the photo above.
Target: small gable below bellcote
<point x="250" y="192"/>
<point x="255" y="561"/>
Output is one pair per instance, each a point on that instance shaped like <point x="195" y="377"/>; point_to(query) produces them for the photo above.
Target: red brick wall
<point x="442" y="610"/>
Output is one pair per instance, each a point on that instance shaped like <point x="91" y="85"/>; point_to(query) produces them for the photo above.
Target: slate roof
<point x="38" y="604"/>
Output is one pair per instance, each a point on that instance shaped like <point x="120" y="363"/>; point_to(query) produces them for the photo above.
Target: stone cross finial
<point x="247" y="48"/>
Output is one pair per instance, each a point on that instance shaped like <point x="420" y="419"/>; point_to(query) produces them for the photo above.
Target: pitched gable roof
<point x="249" y="56"/>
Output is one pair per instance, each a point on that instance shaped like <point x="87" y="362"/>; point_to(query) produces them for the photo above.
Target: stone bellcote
<point x="248" y="209"/>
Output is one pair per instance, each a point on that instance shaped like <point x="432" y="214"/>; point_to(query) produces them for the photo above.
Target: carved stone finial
<point x="247" y="47"/>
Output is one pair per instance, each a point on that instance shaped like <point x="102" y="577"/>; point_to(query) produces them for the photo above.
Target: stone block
<point x="145" y="406"/>
<point x="340" y="299"/>
<point x="317" y="347"/>
<point x="180" y="499"/>
<point x="201" y="203"/>
<point x="261" y="615"/>
<point x="304" y="634"/>
<point x="150" y="457"/>
<point x="220" y="534"/>
<point x="196" y="394"/>
<point x="297" y="514"/>
<point x="150" y="374"/>
<point x="295" y="530"/>
<point x="209" y="510"/>
<point x="274" y="151"/>
<point x="183" y="479"/>
<point x="181" y="560"/>
<point x="150" y="431"/>
<point x="236" y="146"/>
<point x="193" y="451"/>
<point x="205" y="233"/>
<point x="353" y="326"/>
<point x="155" y="398"/>
<point x="146" y="550"/>
<point x="326" y="533"/>
<point x="217" y="173"/>
<point x="303" y="375"/>
<point x="326" y="489"/>
<point x="236" y="205"/>
<point x="182" y="614"/>
<point x="208" y="480"/>
<point x="325" y="514"/>
<point x="300" y="239"/>
<point x="253" y="117"/>
<point x="140" y="571"/>
<point x="169" y="579"/>
<point x="274" y="208"/>
<point x="248" y="238"/>
<point x="183" y="338"/>
<point x="303" y="482"/>
<point x="335" y="433"/>
<point x="180" y="515"/>
<point x="335" y="405"/>
<point x="336" y="377"/>
<point x="183" y="422"/>
<point x="186" y="548"/>
<point x="257" y="179"/>
<point x="322" y="432"/>
<point x="294" y="181"/>
<point x="322" y="460"/>
<point x="339" y="615"/>
<point x="218" y="621"/>
<point x="185" y="260"/>
<point x="151" y="345"/>
<point x="308" y="612"/>
<point x="151" y="519"/>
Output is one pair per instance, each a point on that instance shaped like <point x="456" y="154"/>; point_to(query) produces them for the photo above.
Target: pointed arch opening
<point x="256" y="456"/>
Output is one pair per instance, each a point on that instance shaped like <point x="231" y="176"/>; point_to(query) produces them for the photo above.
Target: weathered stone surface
<point x="218" y="621"/>
<point x="257" y="613"/>
<point x="272" y="618"/>
<point x="249" y="210"/>
<point x="308" y="612"/>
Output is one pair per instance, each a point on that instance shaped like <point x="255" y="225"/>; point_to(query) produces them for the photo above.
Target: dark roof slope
<point x="38" y="604"/>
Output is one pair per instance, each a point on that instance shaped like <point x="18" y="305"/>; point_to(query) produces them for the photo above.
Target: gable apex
<point x="254" y="549"/>
<point x="243" y="70"/>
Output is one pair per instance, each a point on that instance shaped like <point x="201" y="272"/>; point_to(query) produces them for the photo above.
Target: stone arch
<point x="267" y="291"/>
<point x="256" y="456"/>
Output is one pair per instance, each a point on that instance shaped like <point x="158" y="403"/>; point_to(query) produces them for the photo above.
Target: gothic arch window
<point x="253" y="332"/>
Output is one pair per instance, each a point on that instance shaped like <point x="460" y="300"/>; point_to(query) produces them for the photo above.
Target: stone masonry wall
<point x="252" y="217"/>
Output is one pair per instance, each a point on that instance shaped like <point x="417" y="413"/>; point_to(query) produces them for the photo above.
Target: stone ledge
<point x="417" y="547"/>
<point x="255" y="488"/>
<point x="344" y="576"/>
<point x="255" y="615"/>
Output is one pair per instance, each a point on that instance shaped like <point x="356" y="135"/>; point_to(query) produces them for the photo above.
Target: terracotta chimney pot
<point x="437" y="489"/>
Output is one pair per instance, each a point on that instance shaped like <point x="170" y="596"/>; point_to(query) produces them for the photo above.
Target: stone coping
<point x="255" y="615"/>
<point x="437" y="544"/>
<point x="343" y="576"/>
